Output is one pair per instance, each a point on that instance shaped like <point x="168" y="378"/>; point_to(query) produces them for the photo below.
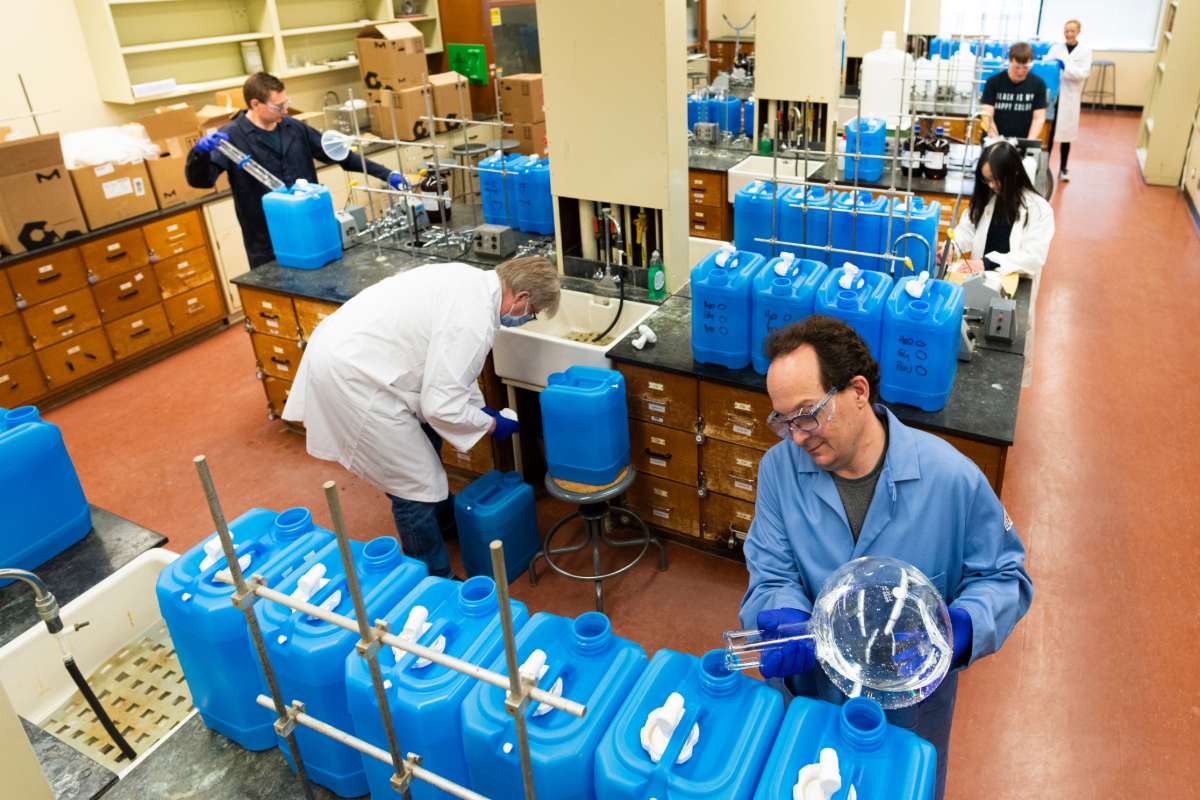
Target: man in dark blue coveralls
<point x="285" y="147"/>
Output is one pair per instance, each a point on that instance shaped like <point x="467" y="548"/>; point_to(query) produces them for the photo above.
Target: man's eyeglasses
<point x="803" y="421"/>
<point x="279" y="108"/>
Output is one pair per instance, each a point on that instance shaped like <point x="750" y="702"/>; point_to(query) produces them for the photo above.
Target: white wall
<point x="44" y="42"/>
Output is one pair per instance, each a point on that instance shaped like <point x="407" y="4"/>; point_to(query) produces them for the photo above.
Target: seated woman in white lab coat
<point x="1008" y="226"/>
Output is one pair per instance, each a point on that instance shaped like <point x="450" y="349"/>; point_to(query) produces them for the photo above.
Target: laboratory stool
<point x="503" y="145"/>
<point x="1101" y="69"/>
<point x="595" y="510"/>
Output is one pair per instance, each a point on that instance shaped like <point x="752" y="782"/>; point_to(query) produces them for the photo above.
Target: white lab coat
<point x="1028" y="248"/>
<point x="405" y="351"/>
<point x="1070" y="91"/>
<point x="1028" y="244"/>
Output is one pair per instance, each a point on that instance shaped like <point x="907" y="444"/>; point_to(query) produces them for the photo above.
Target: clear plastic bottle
<point x="936" y="158"/>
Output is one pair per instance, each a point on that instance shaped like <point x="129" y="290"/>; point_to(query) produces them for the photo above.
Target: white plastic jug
<point x="962" y="70"/>
<point x="887" y="78"/>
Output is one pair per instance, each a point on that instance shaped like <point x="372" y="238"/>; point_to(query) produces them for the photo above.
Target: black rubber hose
<point x="620" y="305"/>
<point x="98" y="709"/>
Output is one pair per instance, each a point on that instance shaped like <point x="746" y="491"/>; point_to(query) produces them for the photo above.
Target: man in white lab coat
<point x="394" y="371"/>
<point x="1075" y="59"/>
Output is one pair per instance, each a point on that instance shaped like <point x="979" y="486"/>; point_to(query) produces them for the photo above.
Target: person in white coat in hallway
<point x="1075" y="60"/>
<point x="394" y="371"/>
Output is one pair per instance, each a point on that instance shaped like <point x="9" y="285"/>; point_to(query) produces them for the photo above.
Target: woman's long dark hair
<point x="1005" y="163"/>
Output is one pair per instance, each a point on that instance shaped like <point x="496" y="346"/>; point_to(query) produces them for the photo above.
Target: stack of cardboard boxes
<point x="174" y="130"/>
<point x="391" y="60"/>
<point x="522" y="110"/>
<point x="400" y="90"/>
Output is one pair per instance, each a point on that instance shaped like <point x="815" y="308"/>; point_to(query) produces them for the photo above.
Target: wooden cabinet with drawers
<point x="665" y="504"/>
<point x="277" y="391"/>
<point x="8" y="300"/>
<point x="270" y="313"/>
<point x="309" y="314"/>
<point x="81" y="307"/>
<point x="194" y="308"/>
<point x="721" y="55"/>
<point x="730" y="469"/>
<point x="736" y="415"/>
<point x="37" y="279"/>
<point x="75" y="358"/>
<point x="61" y="318"/>
<point x="110" y="256"/>
<point x="478" y="459"/>
<point x="120" y="296"/>
<point x="663" y="452"/>
<point x="177" y="275"/>
<point x="176" y="235"/>
<point x="661" y="398"/>
<point x="725" y="520"/>
<point x="21" y="382"/>
<point x="14" y="341"/>
<point x="277" y="357"/>
<point x="708" y="210"/>
<point x="137" y="332"/>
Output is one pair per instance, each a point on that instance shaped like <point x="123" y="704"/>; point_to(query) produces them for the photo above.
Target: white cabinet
<point x="226" y="235"/>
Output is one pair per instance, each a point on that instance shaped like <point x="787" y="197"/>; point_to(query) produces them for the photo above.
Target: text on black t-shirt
<point x="1014" y="102"/>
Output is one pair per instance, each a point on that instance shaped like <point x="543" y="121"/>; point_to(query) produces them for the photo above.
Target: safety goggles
<point x="803" y="421"/>
<point x="280" y="108"/>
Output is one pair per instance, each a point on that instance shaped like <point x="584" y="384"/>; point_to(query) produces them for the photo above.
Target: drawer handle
<point x="661" y="512"/>
<point x="738" y="532"/>
<point x="115" y="256"/>
<point x="49" y="278"/>
<point x="658" y="405"/>
<point x="188" y="274"/>
<point x="196" y="308"/>
<point x="653" y="454"/>
<point x="62" y="320"/>
<point x="142" y="332"/>
<point x="265" y="315"/>
<point x="282" y="361"/>
<point x="176" y="237"/>
<point x="739" y="424"/>
<point x="129" y="294"/>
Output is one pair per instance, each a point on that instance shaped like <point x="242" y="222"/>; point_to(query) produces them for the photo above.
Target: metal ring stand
<point x="594" y="509"/>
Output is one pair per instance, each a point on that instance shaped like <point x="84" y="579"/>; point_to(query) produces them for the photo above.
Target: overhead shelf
<point x="185" y="43"/>
<point x="317" y="69"/>
<point x="185" y="89"/>
<point x="340" y="26"/>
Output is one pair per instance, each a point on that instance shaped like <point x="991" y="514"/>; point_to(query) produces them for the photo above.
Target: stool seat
<point x="468" y="149"/>
<point x="594" y="510"/>
<point x="1102" y="68"/>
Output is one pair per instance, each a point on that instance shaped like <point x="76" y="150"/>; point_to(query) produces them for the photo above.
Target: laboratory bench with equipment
<point x="698" y="430"/>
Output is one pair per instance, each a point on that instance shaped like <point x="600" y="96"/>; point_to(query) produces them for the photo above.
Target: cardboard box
<point x="174" y="129"/>
<point x="521" y="98"/>
<point x="532" y="137"/>
<point x="111" y="192"/>
<point x="391" y="55"/>
<point x="37" y="202"/>
<point x="451" y="98"/>
<point x="211" y="117"/>
<point x="409" y="114"/>
<point x="230" y="98"/>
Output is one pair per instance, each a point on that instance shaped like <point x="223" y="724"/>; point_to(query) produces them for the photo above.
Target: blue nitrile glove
<point x="209" y="141"/>
<point x="909" y="657"/>
<point x="789" y="658"/>
<point x="505" y="427"/>
<point x="397" y="181"/>
<point x="964" y="631"/>
<point x="1061" y="64"/>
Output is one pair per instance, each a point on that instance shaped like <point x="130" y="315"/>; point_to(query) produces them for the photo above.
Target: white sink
<point x="528" y="354"/>
<point x="758" y="168"/>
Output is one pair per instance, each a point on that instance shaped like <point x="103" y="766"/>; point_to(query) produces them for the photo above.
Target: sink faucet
<point x="609" y="278"/>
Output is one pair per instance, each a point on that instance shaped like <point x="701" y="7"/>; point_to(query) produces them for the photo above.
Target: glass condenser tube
<point x="245" y="162"/>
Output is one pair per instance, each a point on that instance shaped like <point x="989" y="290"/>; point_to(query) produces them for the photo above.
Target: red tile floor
<point x="1095" y="694"/>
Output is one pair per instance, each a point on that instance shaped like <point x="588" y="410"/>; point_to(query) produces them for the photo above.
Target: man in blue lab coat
<point x="850" y="480"/>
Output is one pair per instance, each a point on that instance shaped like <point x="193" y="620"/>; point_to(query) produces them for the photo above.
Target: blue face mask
<point x="516" y="321"/>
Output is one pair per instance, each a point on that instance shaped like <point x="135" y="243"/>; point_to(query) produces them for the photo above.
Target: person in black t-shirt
<point x="1014" y="102"/>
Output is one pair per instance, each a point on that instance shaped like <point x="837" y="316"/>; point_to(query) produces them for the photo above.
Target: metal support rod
<point x="828" y="248"/>
<point x="469" y="193"/>
<point x="370" y="750"/>
<point x="518" y="686"/>
<point x="437" y="657"/>
<point x="29" y="105"/>
<point x="368" y="645"/>
<point x="244" y="594"/>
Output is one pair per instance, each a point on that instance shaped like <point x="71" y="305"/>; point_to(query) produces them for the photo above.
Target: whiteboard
<point x="1111" y="25"/>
